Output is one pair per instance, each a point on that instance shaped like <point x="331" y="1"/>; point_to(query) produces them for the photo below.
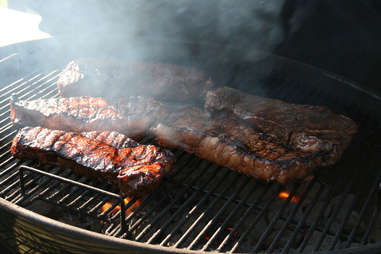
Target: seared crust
<point x="131" y="116"/>
<point x="304" y="127"/>
<point x="228" y="142"/>
<point x="116" y="79"/>
<point x="135" y="169"/>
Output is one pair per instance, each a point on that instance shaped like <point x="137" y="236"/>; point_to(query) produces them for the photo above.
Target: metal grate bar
<point x="5" y="88"/>
<point x="275" y="219"/>
<point x="180" y="209"/>
<point x="177" y="226"/>
<point x="242" y="219"/>
<point x="62" y="179"/>
<point x="302" y="220"/>
<point x="333" y="216"/>
<point x="211" y="204"/>
<point x="164" y="211"/>
<point x="346" y="216"/>
<point x="375" y="211"/>
<point x="25" y="86"/>
<point x="228" y="202"/>
<point x="315" y="223"/>
<point x="290" y="216"/>
<point x="225" y="222"/>
<point x="259" y="216"/>
<point x="37" y="92"/>
<point x="33" y="190"/>
<point x="22" y="168"/>
<point x="191" y="160"/>
<point x="42" y="193"/>
<point x="362" y="212"/>
<point x="22" y="85"/>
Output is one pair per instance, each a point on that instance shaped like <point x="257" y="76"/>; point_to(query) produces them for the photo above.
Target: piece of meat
<point x="131" y="116"/>
<point x="303" y="127"/>
<point x="136" y="169"/>
<point x="117" y="79"/>
<point x="230" y="142"/>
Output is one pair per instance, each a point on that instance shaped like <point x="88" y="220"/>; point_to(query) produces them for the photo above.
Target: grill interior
<point x="201" y="206"/>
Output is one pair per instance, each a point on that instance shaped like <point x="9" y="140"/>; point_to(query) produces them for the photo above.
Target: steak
<point x="104" y="156"/>
<point x="131" y="116"/>
<point x="117" y="79"/>
<point x="303" y="127"/>
<point x="228" y="141"/>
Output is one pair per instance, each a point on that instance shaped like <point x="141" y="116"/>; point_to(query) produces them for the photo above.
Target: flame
<point x="285" y="195"/>
<point x="135" y="205"/>
<point x="207" y="238"/>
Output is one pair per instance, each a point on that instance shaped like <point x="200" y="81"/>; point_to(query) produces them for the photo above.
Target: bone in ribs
<point x="118" y="79"/>
<point x="105" y="156"/>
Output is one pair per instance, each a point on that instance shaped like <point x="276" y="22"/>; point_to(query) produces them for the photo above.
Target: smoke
<point x="209" y="35"/>
<point x="104" y="25"/>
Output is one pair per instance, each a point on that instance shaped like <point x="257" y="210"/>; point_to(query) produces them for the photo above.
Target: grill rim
<point x="83" y="234"/>
<point x="130" y="245"/>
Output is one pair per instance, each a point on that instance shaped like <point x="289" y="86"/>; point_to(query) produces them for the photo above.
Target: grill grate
<point x="200" y="206"/>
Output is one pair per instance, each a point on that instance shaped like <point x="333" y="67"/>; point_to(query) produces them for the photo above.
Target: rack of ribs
<point x="104" y="156"/>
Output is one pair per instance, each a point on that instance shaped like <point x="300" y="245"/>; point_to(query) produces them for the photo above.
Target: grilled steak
<point x="134" y="168"/>
<point x="115" y="79"/>
<point x="230" y="142"/>
<point x="131" y="116"/>
<point x="303" y="127"/>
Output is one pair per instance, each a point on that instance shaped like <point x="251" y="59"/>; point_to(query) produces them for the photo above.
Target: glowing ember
<point x="135" y="205"/>
<point x="207" y="238"/>
<point x="285" y="195"/>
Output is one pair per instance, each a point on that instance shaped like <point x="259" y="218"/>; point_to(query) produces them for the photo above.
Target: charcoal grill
<point x="200" y="207"/>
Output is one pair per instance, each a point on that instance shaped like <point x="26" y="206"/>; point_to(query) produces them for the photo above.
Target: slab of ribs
<point x="105" y="156"/>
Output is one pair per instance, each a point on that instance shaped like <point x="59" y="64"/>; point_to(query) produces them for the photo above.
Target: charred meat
<point x="131" y="116"/>
<point x="134" y="168"/>
<point x="116" y="79"/>
<point x="303" y="127"/>
<point x="230" y="142"/>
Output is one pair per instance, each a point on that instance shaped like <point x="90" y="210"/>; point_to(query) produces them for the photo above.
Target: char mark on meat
<point x="230" y="142"/>
<point x="136" y="169"/>
<point x="131" y="116"/>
